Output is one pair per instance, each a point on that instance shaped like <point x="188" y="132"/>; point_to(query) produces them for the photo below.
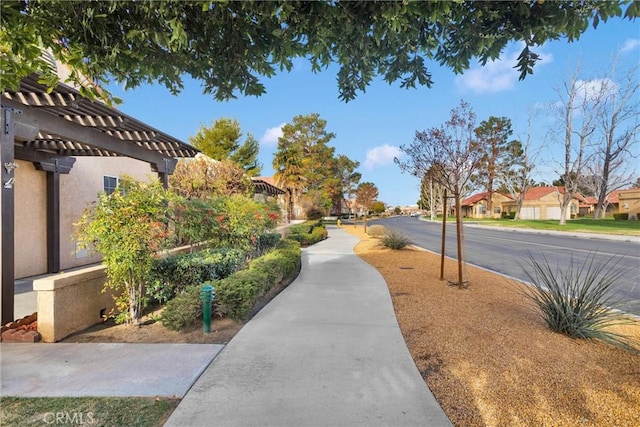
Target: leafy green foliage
<point x="395" y="239"/>
<point x="183" y="310"/>
<point x="236" y="294"/>
<point x="221" y="141"/>
<point x="236" y="221"/>
<point x="127" y="228"/>
<point x="308" y="232"/>
<point x="198" y="220"/>
<point x="578" y="300"/>
<point x="621" y="216"/>
<point x="265" y="243"/>
<point x="377" y="207"/>
<point x="500" y="156"/>
<point x="305" y="166"/>
<point x="172" y="275"/>
<point x="228" y="45"/>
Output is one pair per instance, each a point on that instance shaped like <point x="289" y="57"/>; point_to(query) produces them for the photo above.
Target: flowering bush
<point x="128" y="228"/>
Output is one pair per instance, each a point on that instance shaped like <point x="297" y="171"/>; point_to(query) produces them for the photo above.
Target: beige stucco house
<point x="476" y="206"/>
<point x="544" y="203"/>
<point x="629" y="202"/>
<point x="80" y="187"/>
<point x="539" y="203"/>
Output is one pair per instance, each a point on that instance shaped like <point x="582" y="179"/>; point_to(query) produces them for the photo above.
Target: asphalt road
<point x="507" y="251"/>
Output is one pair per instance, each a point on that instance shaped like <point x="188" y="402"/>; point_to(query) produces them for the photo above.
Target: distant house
<point x="629" y="202"/>
<point x="544" y="203"/>
<point x="538" y="203"/>
<point x="588" y="204"/>
<point x="476" y="206"/>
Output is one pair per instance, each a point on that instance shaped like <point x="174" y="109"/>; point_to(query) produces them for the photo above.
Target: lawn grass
<point x="602" y="226"/>
<point x="102" y="411"/>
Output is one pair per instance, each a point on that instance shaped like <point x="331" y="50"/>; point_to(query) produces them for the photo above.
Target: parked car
<point x="414" y="214"/>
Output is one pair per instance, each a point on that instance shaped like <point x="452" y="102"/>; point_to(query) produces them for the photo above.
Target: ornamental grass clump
<point x="578" y="300"/>
<point x="376" y="230"/>
<point x="395" y="239"/>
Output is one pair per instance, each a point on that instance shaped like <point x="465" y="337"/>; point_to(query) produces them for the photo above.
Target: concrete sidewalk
<point x="114" y="370"/>
<point x="326" y="352"/>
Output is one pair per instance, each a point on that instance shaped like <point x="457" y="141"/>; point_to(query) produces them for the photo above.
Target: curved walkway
<point x="326" y="352"/>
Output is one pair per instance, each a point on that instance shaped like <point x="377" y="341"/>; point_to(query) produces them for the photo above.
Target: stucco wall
<point x="30" y="200"/>
<point x="81" y="187"/>
<point x="77" y="190"/>
<point x="630" y="201"/>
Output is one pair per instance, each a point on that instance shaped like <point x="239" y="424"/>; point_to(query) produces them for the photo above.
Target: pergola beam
<point x="8" y="215"/>
<point x="75" y="132"/>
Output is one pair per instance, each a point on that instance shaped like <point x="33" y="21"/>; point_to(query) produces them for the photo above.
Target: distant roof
<point x="475" y="198"/>
<point x="480" y="196"/>
<point x="535" y="193"/>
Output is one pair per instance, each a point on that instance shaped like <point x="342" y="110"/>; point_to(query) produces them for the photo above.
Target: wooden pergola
<point x="49" y="129"/>
<point x="265" y="185"/>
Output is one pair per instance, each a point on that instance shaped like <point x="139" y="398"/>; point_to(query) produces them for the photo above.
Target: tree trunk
<point x="564" y="204"/>
<point x="433" y="202"/>
<point x="519" y="203"/>
<point x="459" y="240"/>
<point x="444" y="233"/>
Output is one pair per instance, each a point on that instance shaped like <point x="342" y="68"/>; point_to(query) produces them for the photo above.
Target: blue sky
<point x="372" y="127"/>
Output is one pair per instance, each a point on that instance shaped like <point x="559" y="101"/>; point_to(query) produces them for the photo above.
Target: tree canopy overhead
<point x="229" y="46"/>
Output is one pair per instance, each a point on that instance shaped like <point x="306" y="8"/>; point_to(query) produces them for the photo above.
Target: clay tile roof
<point x="614" y="196"/>
<point x="475" y="198"/>
<point x="535" y="193"/>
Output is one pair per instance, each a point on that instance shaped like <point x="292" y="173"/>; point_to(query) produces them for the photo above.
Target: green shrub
<point x="314" y="213"/>
<point x="173" y="274"/>
<point x="236" y="294"/>
<point x="621" y="216"/>
<point x="308" y="232"/>
<point x="266" y="242"/>
<point x="376" y="230"/>
<point x="183" y="310"/>
<point x="277" y="264"/>
<point x="395" y="240"/>
<point x="577" y="300"/>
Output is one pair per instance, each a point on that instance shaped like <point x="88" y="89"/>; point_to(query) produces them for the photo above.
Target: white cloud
<point x="498" y="75"/>
<point x="381" y="156"/>
<point x="629" y="45"/>
<point x="589" y="90"/>
<point x="271" y="135"/>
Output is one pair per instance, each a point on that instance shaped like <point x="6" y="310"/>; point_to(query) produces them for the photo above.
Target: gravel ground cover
<point x="489" y="358"/>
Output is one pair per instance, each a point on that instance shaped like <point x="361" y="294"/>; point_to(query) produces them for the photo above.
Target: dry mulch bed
<point x="489" y="359"/>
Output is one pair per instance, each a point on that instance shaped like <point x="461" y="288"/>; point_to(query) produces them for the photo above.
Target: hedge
<point x="236" y="294"/>
<point x="172" y="275"/>
<point x="308" y="232"/>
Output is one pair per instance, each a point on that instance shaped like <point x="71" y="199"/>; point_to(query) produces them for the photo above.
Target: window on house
<point x="482" y="209"/>
<point x="573" y="209"/>
<point x="496" y="210"/>
<point x="109" y="184"/>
